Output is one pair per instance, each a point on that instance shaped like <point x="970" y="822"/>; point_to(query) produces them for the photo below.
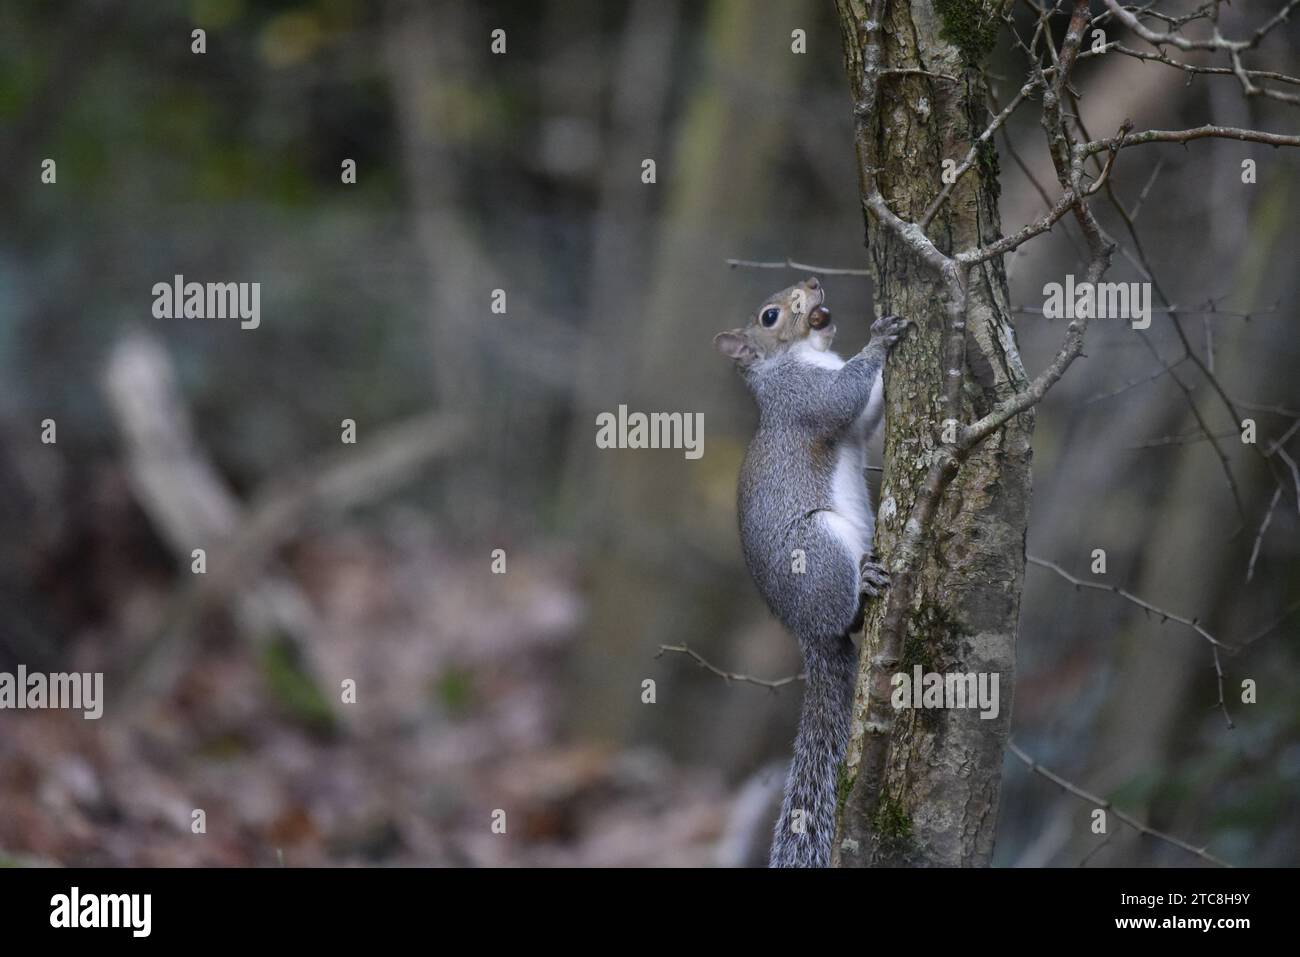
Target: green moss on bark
<point x="891" y="824"/>
<point x="843" y="785"/>
<point x="969" y="25"/>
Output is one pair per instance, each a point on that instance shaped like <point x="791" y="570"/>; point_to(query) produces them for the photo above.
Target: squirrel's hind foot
<point x="874" y="578"/>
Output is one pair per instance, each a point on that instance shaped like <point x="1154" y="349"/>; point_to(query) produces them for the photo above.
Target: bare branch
<point x="1128" y="819"/>
<point x="1244" y="76"/>
<point x="1259" y="538"/>
<point x="913" y="71"/>
<point x="1134" y="383"/>
<point x="1173" y="39"/>
<point x="1191" y="623"/>
<point x="1264" y="407"/>
<point x="1027" y="232"/>
<point x="1285" y="438"/>
<point x="801" y="267"/>
<point x="1295" y="473"/>
<point x="1070" y="176"/>
<point x="1070" y="349"/>
<point x="910" y="233"/>
<point x="1192" y="407"/>
<point x="971" y="155"/>
<point x="1142" y="196"/>
<point x="1207" y="309"/>
<point x="1287" y="612"/>
<point x="1144" y="264"/>
<point x="1168" y="440"/>
<point x="1208" y="131"/>
<point x="729" y="676"/>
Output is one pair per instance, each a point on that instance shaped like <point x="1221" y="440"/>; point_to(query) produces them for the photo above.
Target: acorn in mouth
<point x="819" y="318"/>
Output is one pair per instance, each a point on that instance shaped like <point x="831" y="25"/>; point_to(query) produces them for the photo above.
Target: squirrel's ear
<point x="734" y="345"/>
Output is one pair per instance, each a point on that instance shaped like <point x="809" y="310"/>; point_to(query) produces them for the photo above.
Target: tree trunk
<point x="935" y="799"/>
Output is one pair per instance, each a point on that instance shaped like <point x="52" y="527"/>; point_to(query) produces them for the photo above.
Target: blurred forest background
<point x="475" y="431"/>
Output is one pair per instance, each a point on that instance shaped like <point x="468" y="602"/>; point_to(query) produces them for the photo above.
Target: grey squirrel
<point x="806" y="525"/>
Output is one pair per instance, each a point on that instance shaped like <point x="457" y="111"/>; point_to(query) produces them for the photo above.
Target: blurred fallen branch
<point x="189" y="504"/>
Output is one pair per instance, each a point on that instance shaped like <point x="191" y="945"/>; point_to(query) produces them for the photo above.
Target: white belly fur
<point x="850" y="519"/>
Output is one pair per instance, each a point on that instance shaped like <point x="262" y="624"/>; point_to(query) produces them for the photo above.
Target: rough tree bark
<point x="930" y="797"/>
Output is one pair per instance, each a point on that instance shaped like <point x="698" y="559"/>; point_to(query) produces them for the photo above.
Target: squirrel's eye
<point x="770" y="316"/>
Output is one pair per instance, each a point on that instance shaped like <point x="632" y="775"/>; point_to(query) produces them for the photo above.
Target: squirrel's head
<point x="790" y="316"/>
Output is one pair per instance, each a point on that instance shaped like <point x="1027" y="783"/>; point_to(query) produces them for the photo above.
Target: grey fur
<point x="785" y="483"/>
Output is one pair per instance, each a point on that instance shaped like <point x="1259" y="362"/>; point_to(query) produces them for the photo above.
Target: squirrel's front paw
<point x="874" y="578"/>
<point x="888" y="329"/>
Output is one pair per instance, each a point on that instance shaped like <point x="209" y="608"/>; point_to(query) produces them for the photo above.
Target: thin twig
<point x="1246" y="77"/>
<point x="1192" y="623"/>
<point x="913" y="71"/>
<point x="1142" y="196"/>
<point x="1166" y="440"/>
<point x="1144" y="264"/>
<point x="1208" y="131"/>
<point x="802" y="267"/>
<point x="1263" y="527"/>
<point x="1130" y="20"/>
<point x="1264" y="407"/>
<point x="1295" y="474"/>
<point x="1101" y="845"/>
<point x="1134" y="383"/>
<point x="973" y="152"/>
<point x="729" y="676"/>
<point x="1121" y="816"/>
<point x="1287" y="612"/>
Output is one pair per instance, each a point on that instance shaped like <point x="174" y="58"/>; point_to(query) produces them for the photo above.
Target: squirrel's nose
<point x="813" y="282"/>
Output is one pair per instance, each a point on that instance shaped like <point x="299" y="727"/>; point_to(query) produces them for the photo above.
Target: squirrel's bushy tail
<point x="806" y="827"/>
